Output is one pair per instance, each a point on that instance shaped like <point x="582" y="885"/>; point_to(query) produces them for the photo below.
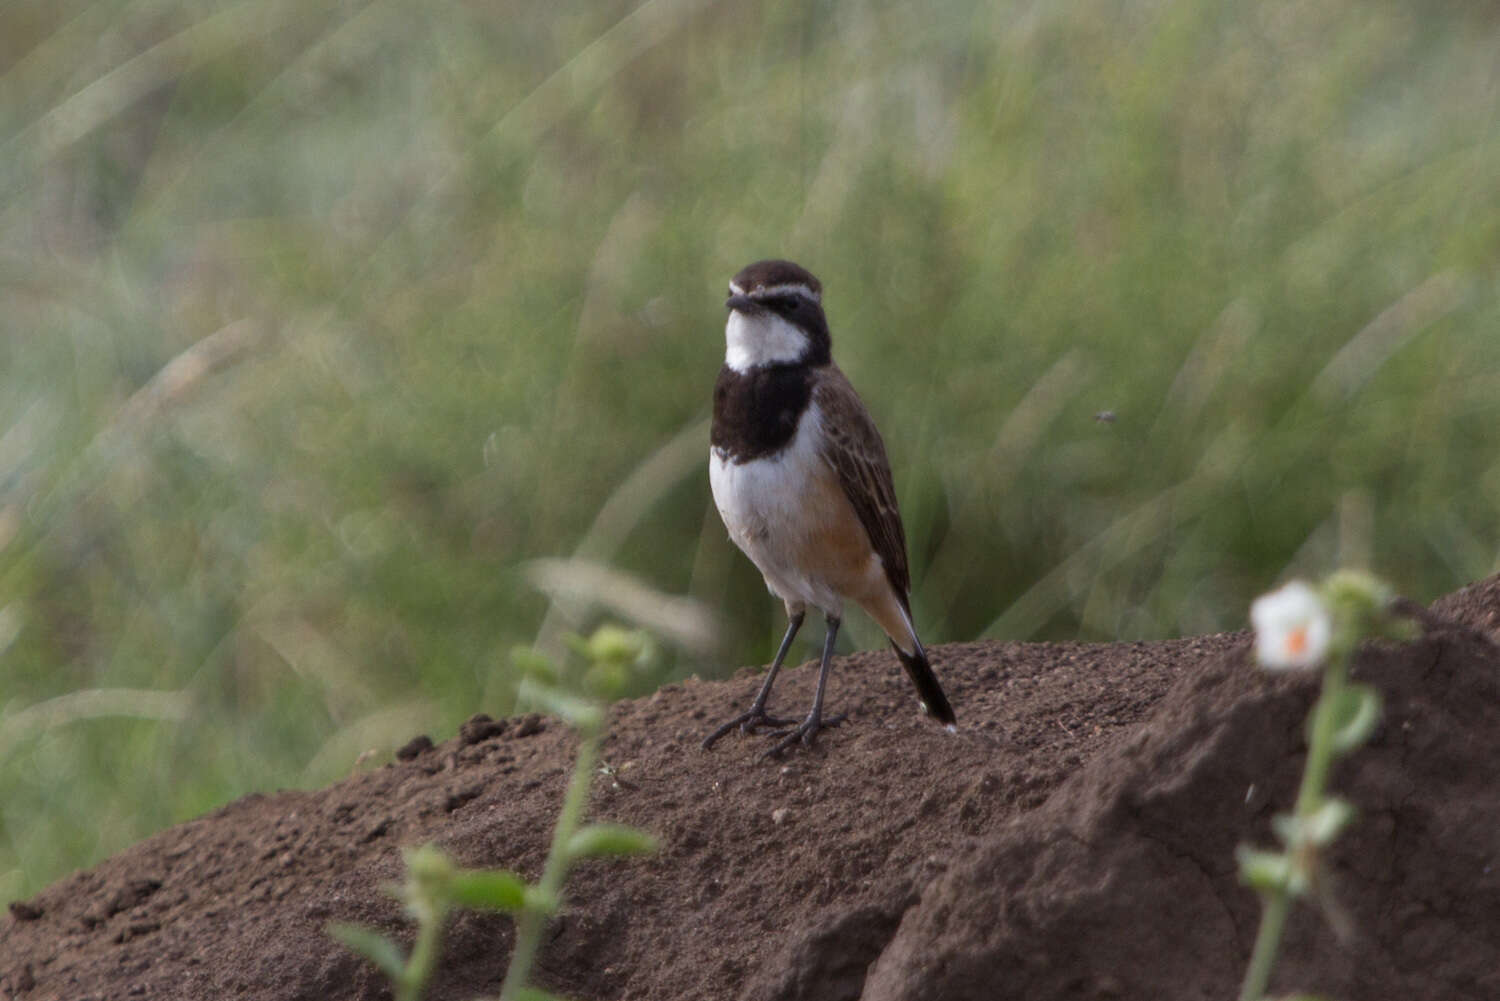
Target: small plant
<point x="434" y="885"/>
<point x="1300" y="627"/>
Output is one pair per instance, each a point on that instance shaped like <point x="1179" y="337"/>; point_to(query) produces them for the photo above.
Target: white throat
<point x="761" y="339"/>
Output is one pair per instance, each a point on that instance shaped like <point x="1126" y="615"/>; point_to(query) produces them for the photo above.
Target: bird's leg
<point x="807" y="731"/>
<point x="756" y="716"/>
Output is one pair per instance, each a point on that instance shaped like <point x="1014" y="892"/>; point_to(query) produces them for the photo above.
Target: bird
<point x="800" y="477"/>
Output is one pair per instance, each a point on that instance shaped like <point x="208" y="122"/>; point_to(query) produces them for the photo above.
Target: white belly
<point x="776" y="510"/>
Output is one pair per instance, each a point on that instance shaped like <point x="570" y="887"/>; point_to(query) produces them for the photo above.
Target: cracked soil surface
<point x="1075" y="840"/>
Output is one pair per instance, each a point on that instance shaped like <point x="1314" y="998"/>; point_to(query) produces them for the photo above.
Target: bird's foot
<point x="805" y="733"/>
<point x="748" y="722"/>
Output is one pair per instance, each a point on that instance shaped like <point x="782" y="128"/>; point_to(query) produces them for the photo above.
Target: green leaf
<point x="606" y="679"/>
<point x="610" y="840"/>
<point x="372" y="945"/>
<point x="1325" y="823"/>
<point x="1356" y="593"/>
<point x="617" y="645"/>
<point x="1356" y="711"/>
<point x="532" y="663"/>
<point x="582" y="713"/>
<point x="488" y="889"/>
<point x="1268" y="872"/>
<point x="428" y="863"/>
<point x="429" y="870"/>
<point x="1316" y="829"/>
<point x="540" y="901"/>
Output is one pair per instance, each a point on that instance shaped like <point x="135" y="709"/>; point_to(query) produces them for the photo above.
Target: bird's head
<point x="775" y="318"/>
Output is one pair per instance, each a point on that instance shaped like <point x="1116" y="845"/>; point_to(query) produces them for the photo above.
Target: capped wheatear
<point x="801" y="479"/>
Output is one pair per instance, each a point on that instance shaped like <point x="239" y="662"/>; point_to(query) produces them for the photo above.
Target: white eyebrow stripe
<point x="735" y="289"/>
<point x="787" y="288"/>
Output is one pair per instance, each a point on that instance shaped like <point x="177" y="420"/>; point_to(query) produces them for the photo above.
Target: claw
<point x="805" y="733"/>
<point x="747" y="722"/>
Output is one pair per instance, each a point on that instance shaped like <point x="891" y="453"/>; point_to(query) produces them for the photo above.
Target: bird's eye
<point x="790" y="303"/>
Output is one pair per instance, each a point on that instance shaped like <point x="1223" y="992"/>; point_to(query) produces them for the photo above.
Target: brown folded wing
<point x="854" y="449"/>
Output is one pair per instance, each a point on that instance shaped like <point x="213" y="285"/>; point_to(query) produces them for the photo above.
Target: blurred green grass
<point x="323" y="320"/>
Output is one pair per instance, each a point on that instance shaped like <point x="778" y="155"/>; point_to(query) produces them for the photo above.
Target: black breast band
<point x="756" y="413"/>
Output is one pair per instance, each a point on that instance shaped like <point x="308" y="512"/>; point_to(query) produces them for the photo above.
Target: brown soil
<point x="1075" y="840"/>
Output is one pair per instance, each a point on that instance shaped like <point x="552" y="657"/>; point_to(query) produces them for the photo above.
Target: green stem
<point x="1320" y="740"/>
<point x="1309" y="798"/>
<point x="532" y="922"/>
<point x="1267" y="942"/>
<point x="423" y="953"/>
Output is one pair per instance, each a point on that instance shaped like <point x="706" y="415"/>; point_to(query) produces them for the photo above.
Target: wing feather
<point x="853" y="447"/>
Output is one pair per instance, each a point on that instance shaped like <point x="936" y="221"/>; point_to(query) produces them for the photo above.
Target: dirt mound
<point x="1075" y="840"/>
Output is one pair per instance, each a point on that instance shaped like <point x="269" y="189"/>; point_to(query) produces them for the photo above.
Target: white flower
<point x="1292" y="628"/>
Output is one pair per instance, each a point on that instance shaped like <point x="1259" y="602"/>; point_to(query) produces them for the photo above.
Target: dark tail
<point x="928" y="689"/>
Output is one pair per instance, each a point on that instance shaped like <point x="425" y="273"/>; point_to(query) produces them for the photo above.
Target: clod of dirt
<point x="1074" y="840"/>
<point x="22" y="911"/>
<point x="480" y="728"/>
<point x="529" y="725"/>
<point x="414" y="748"/>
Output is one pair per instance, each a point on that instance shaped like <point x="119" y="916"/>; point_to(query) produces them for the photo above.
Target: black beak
<point x="743" y="304"/>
